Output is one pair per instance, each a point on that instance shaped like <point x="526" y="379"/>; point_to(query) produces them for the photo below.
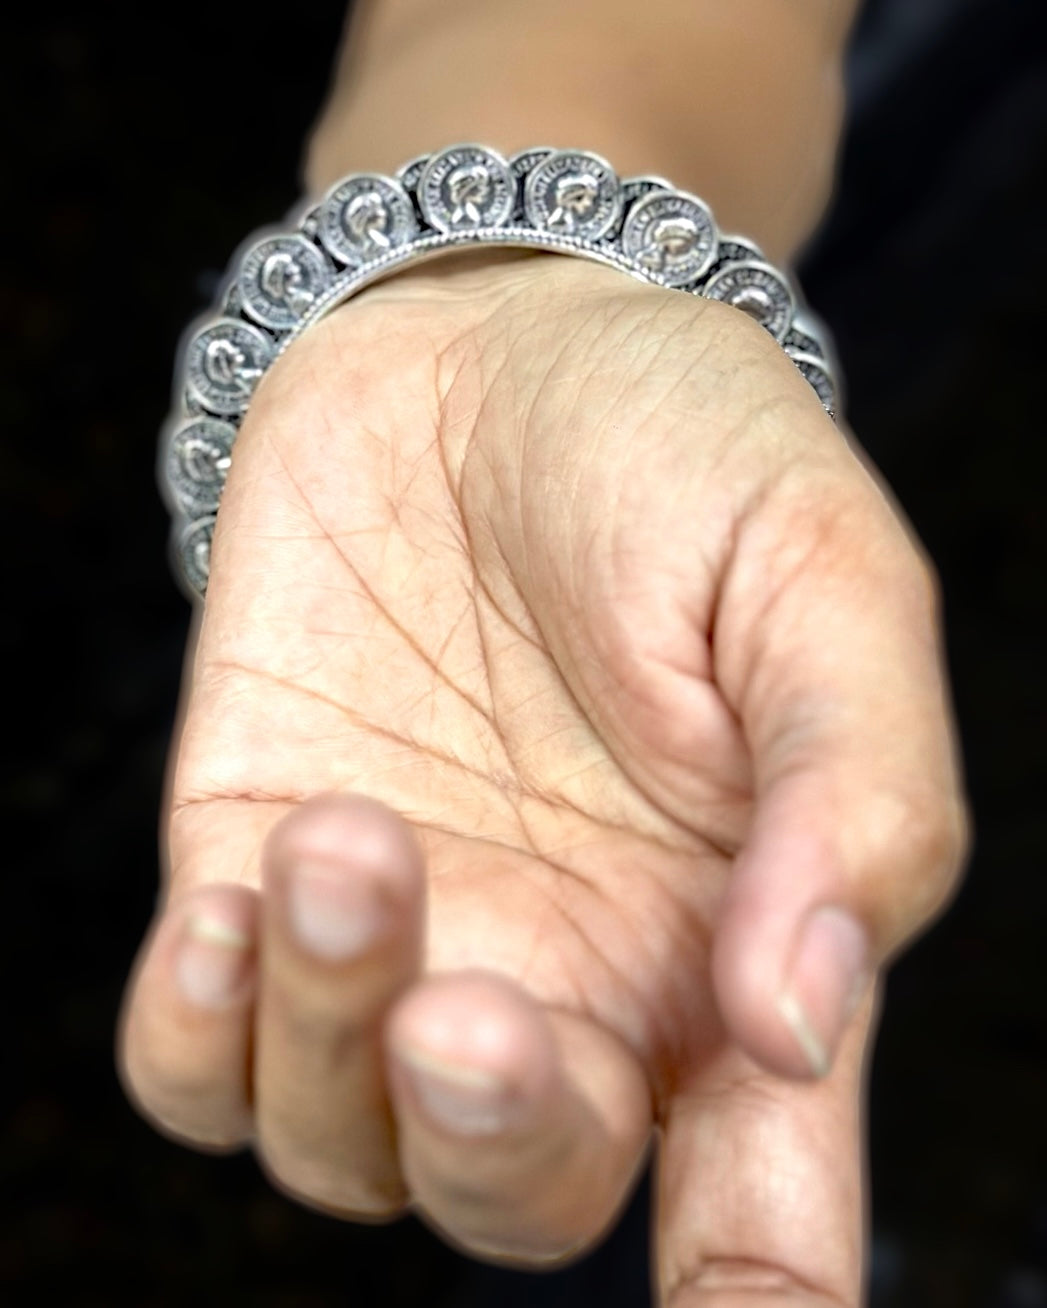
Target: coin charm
<point x="820" y="378"/>
<point x="525" y="161"/>
<point x="672" y="235"/>
<point x="308" y="222"/>
<point x="798" y="341"/>
<point x="635" y="188"/>
<point x="197" y="463"/>
<point x="366" y="216"/>
<point x="224" y="363"/>
<point x="807" y="336"/>
<point x="573" y="193"/>
<point x="409" y="174"/>
<point x="280" y="279"/>
<point x="737" y="249"/>
<point x="757" y="289"/>
<point x="193" y="551"/>
<point x="465" y="188"/>
<point x="521" y="165"/>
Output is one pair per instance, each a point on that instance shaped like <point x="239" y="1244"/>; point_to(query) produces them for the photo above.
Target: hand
<point x="564" y="748"/>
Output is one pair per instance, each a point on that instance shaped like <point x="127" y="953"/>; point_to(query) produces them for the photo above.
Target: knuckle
<point x="939" y="834"/>
<point x="936" y="834"/>
<point x="947" y="841"/>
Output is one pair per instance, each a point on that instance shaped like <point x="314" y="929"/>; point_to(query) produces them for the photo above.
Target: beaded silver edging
<point x="368" y="226"/>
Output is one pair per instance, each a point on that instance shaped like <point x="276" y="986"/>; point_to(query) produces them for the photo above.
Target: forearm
<point x="737" y="100"/>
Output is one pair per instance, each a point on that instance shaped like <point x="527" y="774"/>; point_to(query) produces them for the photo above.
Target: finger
<point x="185" y="1039"/>
<point x="341" y="939"/>
<point x="828" y="650"/>
<point x="522" y="1130"/>
<point x="759" y="1187"/>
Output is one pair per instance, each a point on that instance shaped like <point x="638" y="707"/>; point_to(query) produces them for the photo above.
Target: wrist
<point x="743" y="113"/>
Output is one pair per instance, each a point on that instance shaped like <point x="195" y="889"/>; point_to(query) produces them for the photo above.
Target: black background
<point x="138" y="156"/>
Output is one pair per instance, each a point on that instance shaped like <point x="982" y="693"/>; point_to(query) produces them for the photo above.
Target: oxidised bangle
<point x="369" y="226"/>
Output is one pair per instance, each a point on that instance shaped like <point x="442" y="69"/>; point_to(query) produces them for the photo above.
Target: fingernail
<point x="334" y="915"/>
<point x="467" y="1100"/>
<point x="825" y="982"/>
<point x="213" y="962"/>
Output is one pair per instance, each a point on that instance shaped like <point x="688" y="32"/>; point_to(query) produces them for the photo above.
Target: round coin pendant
<point x="280" y="279"/>
<point x="410" y="173"/>
<point x="366" y="216"/>
<point x="635" y="188"/>
<point x="193" y="550"/>
<point x="573" y="193"/>
<point x="465" y="188"/>
<point x="807" y="336"/>
<point x="520" y="165"/>
<point x="797" y="341"/>
<point x="738" y="249"/>
<point x="817" y="373"/>
<point x="196" y="465"/>
<point x="672" y="235"/>
<point x="525" y="161"/>
<point x="224" y="364"/>
<point x="757" y="289"/>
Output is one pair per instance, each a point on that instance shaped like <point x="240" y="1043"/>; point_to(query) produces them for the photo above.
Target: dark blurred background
<point x="138" y="155"/>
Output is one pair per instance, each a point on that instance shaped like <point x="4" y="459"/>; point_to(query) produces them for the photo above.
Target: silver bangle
<point x="368" y="226"/>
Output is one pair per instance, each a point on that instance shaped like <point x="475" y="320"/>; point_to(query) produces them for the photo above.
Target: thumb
<point x="827" y="648"/>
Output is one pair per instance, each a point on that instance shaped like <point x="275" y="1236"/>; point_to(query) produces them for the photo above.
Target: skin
<point x="562" y="653"/>
<point x="741" y="103"/>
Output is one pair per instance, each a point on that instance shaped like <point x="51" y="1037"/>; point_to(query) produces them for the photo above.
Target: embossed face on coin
<point x="672" y="234"/>
<point x="364" y="217"/>
<point x="280" y="278"/>
<point x="193" y="551"/>
<point x="224" y="362"/>
<point x="202" y="462"/>
<point x="466" y="187"/>
<point x="198" y="457"/>
<point x="672" y="239"/>
<point x="577" y="196"/>
<point x="573" y="194"/>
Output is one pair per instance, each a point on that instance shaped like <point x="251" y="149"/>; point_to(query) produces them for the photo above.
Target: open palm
<point x="574" y="576"/>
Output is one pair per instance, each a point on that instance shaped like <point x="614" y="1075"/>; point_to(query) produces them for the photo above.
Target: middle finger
<point x="342" y="936"/>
